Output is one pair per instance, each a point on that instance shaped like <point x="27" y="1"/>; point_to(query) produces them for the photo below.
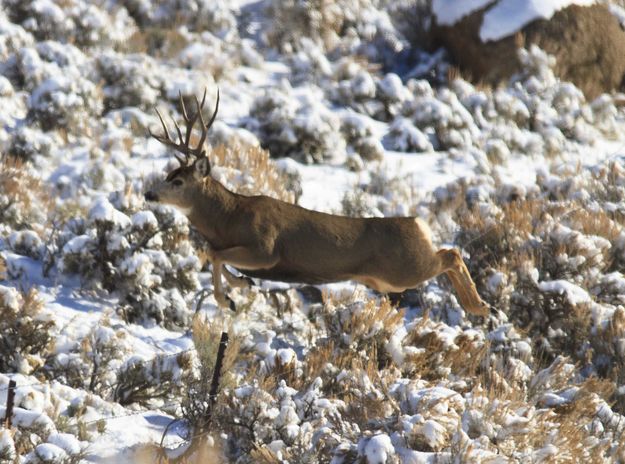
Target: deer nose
<point x="150" y="196"/>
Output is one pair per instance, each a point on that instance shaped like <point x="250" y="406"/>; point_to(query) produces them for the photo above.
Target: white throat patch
<point x="185" y="211"/>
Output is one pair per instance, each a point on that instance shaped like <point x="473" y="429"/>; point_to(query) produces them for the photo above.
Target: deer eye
<point x="176" y="182"/>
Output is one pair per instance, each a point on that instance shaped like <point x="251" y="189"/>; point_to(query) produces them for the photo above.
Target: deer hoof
<point x="231" y="304"/>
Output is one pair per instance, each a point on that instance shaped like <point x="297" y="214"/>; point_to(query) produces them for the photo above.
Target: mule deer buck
<point x="268" y="238"/>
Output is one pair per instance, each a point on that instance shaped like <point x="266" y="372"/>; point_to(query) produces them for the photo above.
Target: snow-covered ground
<point x="104" y="323"/>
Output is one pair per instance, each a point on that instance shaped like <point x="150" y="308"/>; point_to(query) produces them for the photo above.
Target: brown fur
<point x="273" y="239"/>
<point x="268" y="238"/>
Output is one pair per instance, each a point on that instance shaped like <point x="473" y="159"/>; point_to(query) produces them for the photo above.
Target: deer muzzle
<point x="150" y="196"/>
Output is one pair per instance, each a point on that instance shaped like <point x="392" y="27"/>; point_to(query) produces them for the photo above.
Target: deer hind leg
<point x="453" y="265"/>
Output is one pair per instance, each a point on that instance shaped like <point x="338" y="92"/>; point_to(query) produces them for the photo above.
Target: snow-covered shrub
<point x="552" y="103"/>
<point x="26" y="243"/>
<point x="404" y="136"/>
<point x="77" y="21"/>
<point x="358" y="92"/>
<point x="134" y="80"/>
<point x="64" y="102"/>
<point x="426" y="352"/>
<point x="24" y="201"/>
<point x="41" y="431"/>
<point x="451" y="121"/>
<point x="161" y="378"/>
<point x="377" y="449"/>
<point x="365" y="92"/>
<point x="197" y="406"/>
<point x="13" y="37"/>
<point x="28" y="143"/>
<point x="363" y="327"/>
<point x="61" y="94"/>
<point x="548" y="263"/>
<point x="46" y="19"/>
<point x="309" y="63"/>
<point x="216" y="17"/>
<point x="26" y="333"/>
<point x="383" y="195"/>
<point x="343" y="27"/>
<point x="359" y="203"/>
<point x="317" y="20"/>
<point x="93" y="361"/>
<point x="301" y="128"/>
<point x="359" y="134"/>
<point x="145" y="258"/>
<point x="268" y="418"/>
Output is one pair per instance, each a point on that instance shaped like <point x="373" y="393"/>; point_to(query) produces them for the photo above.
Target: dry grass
<point x="26" y="338"/>
<point x="319" y="20"/>
<point x="365" y="327"/>
<point x="200" y="451"/>
<point x="435" y="361"/>
<point x="24" y="199"/>
<point x="256" y="163"/>
<point x="531" y="425"/>
<point x="198" y="410"/>
<point x="158" y="42"/>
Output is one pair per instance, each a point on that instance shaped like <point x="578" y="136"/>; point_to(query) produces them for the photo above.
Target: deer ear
<point x="202" y="167"/>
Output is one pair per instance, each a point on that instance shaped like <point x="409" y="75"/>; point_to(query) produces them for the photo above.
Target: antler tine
<point x="210" y="123"/>
<point x="160" y="138"/>
<point x="190" y="123"/>
<point x="206" y="127"/>
<point x="183" y="145"/>
<point x="183" y="106"/>
<point x="165" y="138"/>
<point x="203" y="99"/>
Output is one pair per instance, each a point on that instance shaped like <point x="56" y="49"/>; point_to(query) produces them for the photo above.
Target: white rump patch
<point x="425" y="229"/>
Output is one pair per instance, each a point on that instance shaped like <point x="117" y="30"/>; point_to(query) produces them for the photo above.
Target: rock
<point x="587" y="42"/>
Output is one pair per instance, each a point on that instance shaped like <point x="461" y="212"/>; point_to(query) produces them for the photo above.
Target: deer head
<point x="181" y="185"/>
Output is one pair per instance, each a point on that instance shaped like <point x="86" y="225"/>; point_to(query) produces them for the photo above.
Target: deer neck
<point x="212" y="210"/>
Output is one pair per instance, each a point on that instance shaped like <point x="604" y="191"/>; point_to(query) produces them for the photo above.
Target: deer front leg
<point x="218" y="292"/>
<point x="243" y="257"/>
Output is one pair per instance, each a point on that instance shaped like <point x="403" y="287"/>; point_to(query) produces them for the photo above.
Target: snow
<point x="144" y="219"/>
<point x="48" y="452"/>
<point x="6" y="442"/>
<point x="619" y="12"/>
<point x="574" y="294"/>
<point x="378" y="449"/>
<point x="440" y="147"/>
<point x="103" y="211"/>
<point x="434" y="433"/>
<point x="10" y="297"/>
<point x="449" y="12"/>
<point x="503" y="17"/>
<point x="509" y="16"/>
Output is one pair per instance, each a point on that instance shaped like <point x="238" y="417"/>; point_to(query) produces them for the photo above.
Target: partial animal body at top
<point x="271" y="239"/>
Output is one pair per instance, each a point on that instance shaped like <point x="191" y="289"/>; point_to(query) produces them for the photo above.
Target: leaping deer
<point x="268" y="238"/>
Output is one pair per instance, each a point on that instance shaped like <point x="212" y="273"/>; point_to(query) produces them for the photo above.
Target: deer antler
<point x="183" y="146"/>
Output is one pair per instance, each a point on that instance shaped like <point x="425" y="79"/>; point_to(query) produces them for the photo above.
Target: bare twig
<point x="212" y="395"/>
<point x="8" y="417"/>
